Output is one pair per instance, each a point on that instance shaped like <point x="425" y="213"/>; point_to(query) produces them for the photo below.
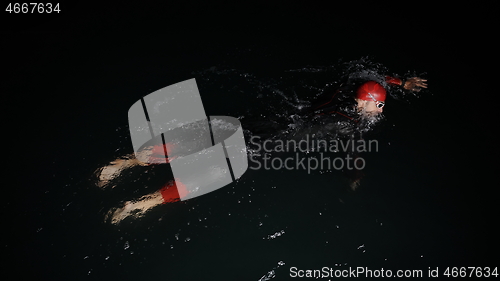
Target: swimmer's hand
<point x="415" y="84"/>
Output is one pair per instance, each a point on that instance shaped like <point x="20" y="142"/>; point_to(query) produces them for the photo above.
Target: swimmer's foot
<point x="116" y="215"/>
<point x="113" y="170"/>
<point x="134" y="209"/>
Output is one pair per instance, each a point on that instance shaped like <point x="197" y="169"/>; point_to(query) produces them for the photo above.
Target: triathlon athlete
<point x="351" y="116"/>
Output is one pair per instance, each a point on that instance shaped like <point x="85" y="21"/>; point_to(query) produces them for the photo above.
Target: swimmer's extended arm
<point x="413" y="84"/>
<point x="393" y="81"/>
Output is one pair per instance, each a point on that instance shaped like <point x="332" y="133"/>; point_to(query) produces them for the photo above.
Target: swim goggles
<point x="379" y="104"/>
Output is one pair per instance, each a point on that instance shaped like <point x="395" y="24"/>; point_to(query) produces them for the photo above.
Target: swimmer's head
<point x="371" y="98"/>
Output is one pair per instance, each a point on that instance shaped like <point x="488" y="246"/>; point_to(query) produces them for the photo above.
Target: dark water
<point x="425" y="201"/>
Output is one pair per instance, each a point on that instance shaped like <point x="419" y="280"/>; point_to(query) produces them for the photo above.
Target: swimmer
<point x="364" y="108"/>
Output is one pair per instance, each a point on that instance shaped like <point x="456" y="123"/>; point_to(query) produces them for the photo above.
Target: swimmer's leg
<point x="115" y="168"/>
<point x="171" y="192"/>
<point x="145" y="157"/>
<point x="135" y="208"/>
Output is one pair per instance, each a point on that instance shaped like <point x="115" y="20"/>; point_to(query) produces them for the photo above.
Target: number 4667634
<point x="32" y="8"/>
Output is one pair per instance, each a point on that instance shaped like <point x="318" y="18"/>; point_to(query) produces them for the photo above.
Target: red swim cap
<point x="371" y="87"/>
